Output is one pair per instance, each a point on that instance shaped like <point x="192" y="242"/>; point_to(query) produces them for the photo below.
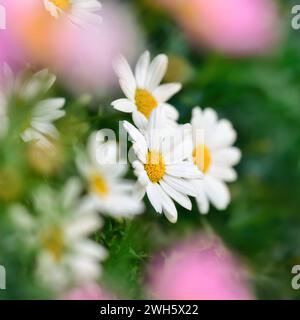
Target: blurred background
<point x="241" y="57"/>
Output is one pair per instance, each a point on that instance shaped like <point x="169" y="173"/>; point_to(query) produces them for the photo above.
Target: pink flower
<point x="89" y="292"/>
<point x="84" y="57"/>
<point x="237" y="27"/>
<point x="11" y="50"/>
<point x="198" y="269"/>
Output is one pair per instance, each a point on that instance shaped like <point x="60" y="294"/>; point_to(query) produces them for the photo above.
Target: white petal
<point x="90" y="248"/>
<point x="140" y="121"/>
<point x="124" y="105"/>
<point x="202" y="200"/>
<point x="48" y="105"/>
<point x="227" y="157"/>
<point x="170" y="111"/>
<point x="71" y="192"/>
<point x="217" y="192"/>
<point x="126" y="78"/>
<point x="223" y="173"/>
<point x="178" y="146"/>
<point x="223" y="136"/>
<point x="184" y="170"/>
<point x="137" y="137"/>
<point x="47" y="129"/>
<point x="140" y="172"/>
<point x="155" y="130"/>
<point x="166" y="91"/>
<point x="156" y="72"/>
<point x="169" y="208"/>
<point x="181" y="185"/>
<point x="182" y="199"/>
<point x="154" y="196"/>
<point x="141" y="69"/>
<point x="128" y="89"/>
<point x="82" y="226"/>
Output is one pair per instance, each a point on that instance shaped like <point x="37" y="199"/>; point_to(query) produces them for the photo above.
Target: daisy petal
<point x="202" y="200"/>
<point x="156" y="72"/>
<point x="153" y="193"/>
<point x="181" y="185"/>
<point x="223" y="173"/>
<point x="135" y="135"/>
<point x="140" y="120"/>
<point x="141" y="69"/>
<point x="227" y="157"/>
<point x="124" y="105"/>
<point x="169" y="208"/>
<point x="179" y="197"/>
<point x="166" y="91"/>
<point x="184" y="170"/>
<point x="217" y="192"/>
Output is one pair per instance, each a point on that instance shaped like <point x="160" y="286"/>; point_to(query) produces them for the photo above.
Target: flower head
<point x="41" y="113"/>
<point x="143" y="90"/>
<point x="108" y="191"/>
<point x="78" y="11"/>
<point x="59" y="233"/>
<point x="199" y="268"/>
<point x="214" y="156"/>
<point x="162" y="167"/>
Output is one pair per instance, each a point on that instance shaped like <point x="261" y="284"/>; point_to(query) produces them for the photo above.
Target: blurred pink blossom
<point x="81" y="55"/>
<point x="89" y="292"/>
<point x="236" y="27"/>
<point x="198" y="269"/>
<point x="84" y="57"/>
<point x="11" y="50"/>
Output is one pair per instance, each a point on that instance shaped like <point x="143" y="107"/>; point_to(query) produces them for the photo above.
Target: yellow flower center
<point x="99" y="185"/>
<point x="62" y="4"/>
<point x="53" y="241"/>
<point x="202" y="157"/>
<point x="145" y="102"/>
<point x="155" y="166"/>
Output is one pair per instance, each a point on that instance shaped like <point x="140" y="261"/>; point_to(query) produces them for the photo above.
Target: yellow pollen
<point x="53" y="241"/>
<point x="155" y="166"/>
<point x="202" y="157"/>
<point x="62" y="4"/>
<point x="99" y="185"/>
<point x="145" y="102"/>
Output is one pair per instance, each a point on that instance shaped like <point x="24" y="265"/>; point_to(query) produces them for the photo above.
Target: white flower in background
<point x="162" y="169"/>
<point x="78" y="11"/>
<point x="108" y="191"/>
<point x="214" y="156"/>
<point x="40" y="114"/>
<point x="143" y="90"/>
<point x="6" y="87"/>
<point x="59" y="233"/>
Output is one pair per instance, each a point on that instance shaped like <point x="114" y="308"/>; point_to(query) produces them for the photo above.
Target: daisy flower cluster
<point x="174" y="161"/>
<point x="64" y="186"/>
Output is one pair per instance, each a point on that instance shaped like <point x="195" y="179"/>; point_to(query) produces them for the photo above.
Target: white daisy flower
<point x="108" y="191"/>
<point x="162" y="169"/>
<point x="77" y="11"/>
<point x="59" y="233"/>
<point x="143" y="90"/>
<point x="214" y="156"/>
<point x="42" y="113"/>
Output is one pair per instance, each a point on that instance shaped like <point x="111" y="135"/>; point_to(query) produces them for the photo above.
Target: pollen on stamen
<point x="145" y="102"/>
<point x="99" y="185"/>
<point x="202" y="157"/>
<point x="53" y="242"/>
<point x="155" y="166"/>
<point x="62" y="4"/>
